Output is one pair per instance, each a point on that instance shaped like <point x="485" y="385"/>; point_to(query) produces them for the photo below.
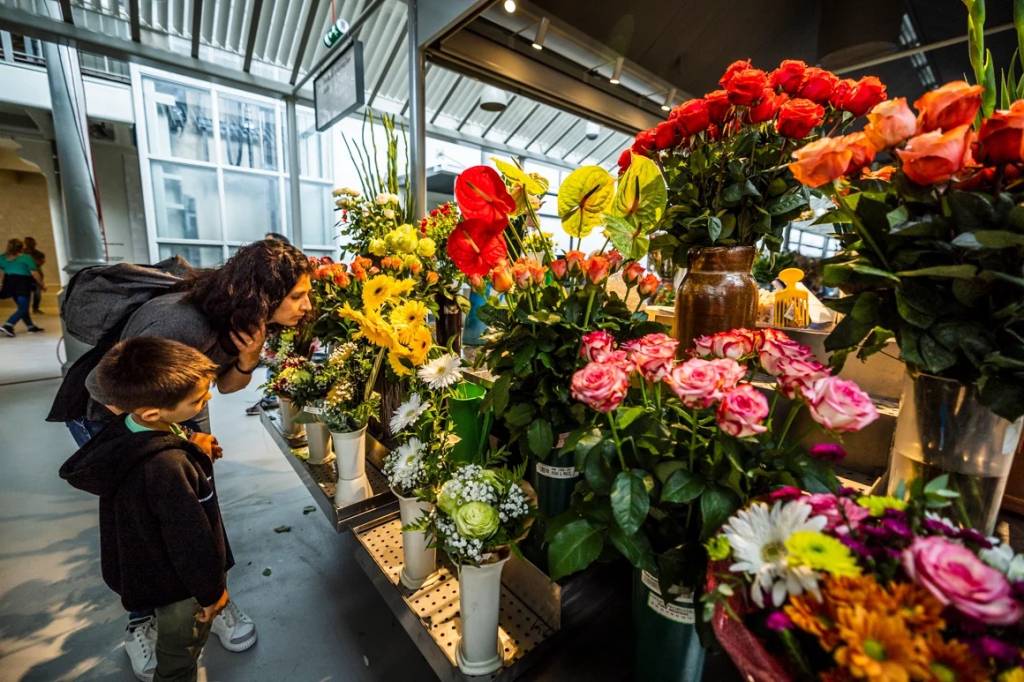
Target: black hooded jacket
<point x="161" y="536"/>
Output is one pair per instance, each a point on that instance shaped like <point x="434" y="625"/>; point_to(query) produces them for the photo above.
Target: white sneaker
<point x="234" y="629"/>
<point x="140" y="645"/>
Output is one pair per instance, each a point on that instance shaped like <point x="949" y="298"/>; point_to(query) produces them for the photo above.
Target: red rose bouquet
<point x="675" y="447"/>
<point x="846" y="586"/>
<point x="724" y="155"/>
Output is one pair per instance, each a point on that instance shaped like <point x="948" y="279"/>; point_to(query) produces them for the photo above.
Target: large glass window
<point x="314" y="155"/>
<point x="179" y="120"/>
<point x="248" y="134"/>
<point x="197" y="256"/>
<point x="317" y="214"/>
<point x="185" y="201"/>
<point x="252" y="206"/>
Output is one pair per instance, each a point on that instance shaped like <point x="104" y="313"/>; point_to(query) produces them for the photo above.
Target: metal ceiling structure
<point x="275" y="47"/>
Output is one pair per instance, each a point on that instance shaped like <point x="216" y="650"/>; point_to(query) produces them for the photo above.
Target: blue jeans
<point x="22" y="312"/>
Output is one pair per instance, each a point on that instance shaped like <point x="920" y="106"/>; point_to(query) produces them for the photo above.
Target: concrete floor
<point x="318" y="616"/>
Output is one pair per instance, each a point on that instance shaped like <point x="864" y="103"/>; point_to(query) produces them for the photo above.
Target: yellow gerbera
<point x="402" y="287"/>
<point x="821" y="552"/>
<point x="397" y="359"/>
<point x="377" y="331"/>
<point x="418" y="340"/>
<point x="409" y="313"/>
<point x="377" y="290"/>
<point x="348" y="313"/>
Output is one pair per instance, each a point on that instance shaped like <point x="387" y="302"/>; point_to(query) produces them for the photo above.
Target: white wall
<point x="28" y="86"/>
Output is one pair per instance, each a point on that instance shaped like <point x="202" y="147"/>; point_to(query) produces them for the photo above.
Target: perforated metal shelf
<point x="321" y="479"/>
<point x="433" y="609"/>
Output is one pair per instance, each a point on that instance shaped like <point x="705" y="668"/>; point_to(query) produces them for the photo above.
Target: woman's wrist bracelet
<point x="238" y="367"/>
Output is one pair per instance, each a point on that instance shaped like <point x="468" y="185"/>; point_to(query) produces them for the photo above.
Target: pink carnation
<point x="840" y="405"/>
<point x="797" y="376"/>
<point x="742" y="411"/>
<point x="775" y="346"/>
<point x="602" y="387"/>
<point x="957" y="577"/>
<point x="842" y="513"/>
<point x="653" y="355"/>
<point x="697" y="382"/>
<point x="734" y="344"/>
<point x="597" y="345"/>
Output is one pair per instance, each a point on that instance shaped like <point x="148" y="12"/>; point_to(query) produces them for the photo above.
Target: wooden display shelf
<point x="320" y="479"/>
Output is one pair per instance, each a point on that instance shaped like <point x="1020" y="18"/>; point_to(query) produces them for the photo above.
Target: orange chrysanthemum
<point x="850" y="591"/>
<point x="815" y="618"/>
<point x="878" y="647"/>
<point x="917" y="606"/>
<point x="953" y="661"/>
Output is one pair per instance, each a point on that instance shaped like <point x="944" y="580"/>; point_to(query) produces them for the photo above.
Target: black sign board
<point x="338" y="89"/>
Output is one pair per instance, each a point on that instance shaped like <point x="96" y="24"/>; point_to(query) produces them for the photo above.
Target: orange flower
<point x="878" y="647"/>
<point x="575" y="259"/>
<point x="948" y="107"/>
<point x="521" y="274"/>
<point x="648" y="285"/>
<point x="821" y="161"/>
<point x="884" y="173"/>
<point x="501" y="277"/>
<point x="432" y="278"/>
<point x="598" y="268"/>
<point x="863" y="151"/>
<point x="1001" y="138"/>
<point x="954" y="660"/>
<point x="890" y="123"/>
<point x="917" y="606"/>
<point x="558" y="268"/>
<point x="934" y="157"/>
<point x="815" y="618"/>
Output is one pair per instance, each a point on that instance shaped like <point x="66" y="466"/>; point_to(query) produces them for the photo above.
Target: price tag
<point x="563" y="473"/>
<point x="678" y="614"/>
<point x="312" y="409"/>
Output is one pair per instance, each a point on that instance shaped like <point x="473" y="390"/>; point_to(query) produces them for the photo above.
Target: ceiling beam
<point x="254" y="27"/>
<point x="43" y="28"/>
<point x="311" y="12"/>
<point x="543" y="130"/>
<point x="352" y="33"/>
<point x="920" y="49"/>
<point x="448" y="96"/>
<point x="610" y="154"/>
<point x="400" y="38"/>
<point x="468" y="115"/>
<point x="65" y="12"/>
<point x="519" y="126"/>
<point x="562" y="136"/>
<point x="574" y="147"/>
<point x="133" y="20"/>
<point x="197" y="26"/>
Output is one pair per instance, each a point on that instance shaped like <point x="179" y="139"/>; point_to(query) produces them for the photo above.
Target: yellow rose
<point x="378" y="247"/>
<point x="426" y="247"/>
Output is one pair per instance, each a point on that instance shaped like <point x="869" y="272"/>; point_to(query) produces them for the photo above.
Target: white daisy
<point x="408" y="412"/>
<point x="758" y="538"/>
<point x="441" y="372"/>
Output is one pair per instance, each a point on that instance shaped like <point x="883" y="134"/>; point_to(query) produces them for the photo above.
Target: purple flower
<point x="898" y="527"/>
<point x="786" y="492"/>
<point x="1018" y="589"/>
<point x="856" y="546"/>
<point x="778" y="621"/>
<point x="828" y="452"/>
<point x="987" y="646"/>
<point x="974" y="537"/>
<point x="938" y="527"/>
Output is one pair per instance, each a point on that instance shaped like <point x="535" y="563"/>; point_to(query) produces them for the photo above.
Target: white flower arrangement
<point x="408" y="412"/>
<point x="404" y="467"/>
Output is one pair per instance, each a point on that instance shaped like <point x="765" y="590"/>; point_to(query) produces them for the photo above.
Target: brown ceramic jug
<point x="718" y="293"/>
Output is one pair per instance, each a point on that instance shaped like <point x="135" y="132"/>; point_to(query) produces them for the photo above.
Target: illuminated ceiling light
<point x="542" y="32"/>
<point x="617" y="73"/>
<point x="669" y="99"/>
<point x="510" y="6"/>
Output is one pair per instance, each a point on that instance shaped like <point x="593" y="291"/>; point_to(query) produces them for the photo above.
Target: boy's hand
<point x="208" y="444"/>
<point x="208" y="613"/>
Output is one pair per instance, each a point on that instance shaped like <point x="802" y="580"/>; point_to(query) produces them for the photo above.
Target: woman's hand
<point x="208" y="613"/>
<point x="249" y="345"/>
<point x="208" y="444"/>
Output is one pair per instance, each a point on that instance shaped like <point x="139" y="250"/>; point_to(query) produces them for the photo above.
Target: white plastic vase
<point x="350" y="458"/>
<point x="288" y="413"/>
<point x="479" y="651"/>
<point x="418" y="560"/>
<point x="319" y="440"/>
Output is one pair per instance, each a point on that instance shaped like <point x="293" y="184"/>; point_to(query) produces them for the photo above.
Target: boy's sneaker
<point x="7" y="330"/>
<point x="140" y="645"/>
<point x="35" y="330"/>
<point x="234" y="629"/>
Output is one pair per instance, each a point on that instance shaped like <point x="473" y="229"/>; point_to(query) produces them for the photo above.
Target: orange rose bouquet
<point x="934" y="240"/>
<point x="724" y="155"/>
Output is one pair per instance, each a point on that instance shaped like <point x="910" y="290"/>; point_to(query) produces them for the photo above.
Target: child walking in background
<point x="162" y="543"/>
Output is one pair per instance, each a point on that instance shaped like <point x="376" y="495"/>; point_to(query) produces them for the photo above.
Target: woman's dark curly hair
<point x="243" y="293"/>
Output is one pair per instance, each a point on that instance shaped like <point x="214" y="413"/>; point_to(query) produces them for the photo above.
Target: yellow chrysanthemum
<point x="879" y="647"/>
<point x="418" y="340"/>
<point x="877" y="504"/>
<point x="377" y="331"/>
<point x="402" y="287"/>
<point x="1015" y="675"/>
<point x="821" y="552"/>
<point x="409" y="313"/>
<point x="377" y="290"/>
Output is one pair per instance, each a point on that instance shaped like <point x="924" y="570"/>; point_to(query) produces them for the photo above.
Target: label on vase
<point x="549" y="471"/>
<point x="312" y="409"/>
<point x="651" y="582"/>
<point x="675" y="613"/>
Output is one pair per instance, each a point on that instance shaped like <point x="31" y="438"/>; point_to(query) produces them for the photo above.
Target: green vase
<point x="666" y="647"/>
<point x="470" y="424"/>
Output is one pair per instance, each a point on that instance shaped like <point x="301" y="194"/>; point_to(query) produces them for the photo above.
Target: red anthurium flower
<point x="476" y="246"/>
<point x="481" y="194"/>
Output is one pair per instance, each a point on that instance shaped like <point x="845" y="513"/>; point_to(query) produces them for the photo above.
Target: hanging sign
<point x="338" y="89"/>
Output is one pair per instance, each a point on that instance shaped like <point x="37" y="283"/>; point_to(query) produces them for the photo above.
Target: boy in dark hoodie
<point x="162" y="543"/>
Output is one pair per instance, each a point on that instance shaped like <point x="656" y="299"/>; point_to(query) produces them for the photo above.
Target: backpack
<point x="97" y="304"/>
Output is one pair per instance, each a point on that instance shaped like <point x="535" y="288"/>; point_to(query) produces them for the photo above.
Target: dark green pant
<point x="179" y="641"/>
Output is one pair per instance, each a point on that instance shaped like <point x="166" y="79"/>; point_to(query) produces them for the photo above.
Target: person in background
<point x="40" y="258"/>
<point x="162" y="541"/>
<point x="20" y="276"/>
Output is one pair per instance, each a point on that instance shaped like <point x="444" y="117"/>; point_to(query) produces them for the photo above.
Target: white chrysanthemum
<point x="404" y="466"/>
<point x="408" y="412"/>
<point x="1002" y="558"/>
<point x="441" y="372"/>
<point x="758" y="538"/>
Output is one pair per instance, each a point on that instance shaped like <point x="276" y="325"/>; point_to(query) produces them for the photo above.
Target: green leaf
<point x="629" y="501"/>
<point x="937" y="358"/>
<point x="989" y="239"/>
<point x="787" y="203"/>
<point x="716" y="506"/>
<point x="634" y="546"/>
<point x="1005" y="398"/>
<point x="519" y="414"/>
<point x="499" y="394"/>
<point x="574" y="547"/>
<point x="540" y="438"/>
<point x="946" y="271"/>
<point x="837" y="274"/>
<point x="630" y="240"/>
<point x="627" y="416"/>
<point x="714" y="228"/>
<point x="916" y="317"/>
<point x="596" y="468"/>
<point x="854" y="327"/>
<point x="682" y="487"/>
